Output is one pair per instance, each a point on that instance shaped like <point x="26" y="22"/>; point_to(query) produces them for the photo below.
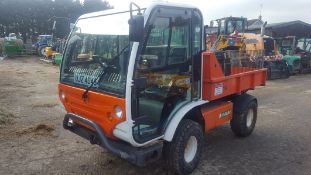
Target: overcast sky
<point x="272" y="10"/>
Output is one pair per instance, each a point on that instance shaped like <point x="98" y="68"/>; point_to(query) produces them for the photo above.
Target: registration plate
<point x="85" y="79"/>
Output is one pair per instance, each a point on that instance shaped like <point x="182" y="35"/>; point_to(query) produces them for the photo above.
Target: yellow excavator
<point x="230" y="39"/>
<point x="233" y="45"/>
<point x="231" y="35"/>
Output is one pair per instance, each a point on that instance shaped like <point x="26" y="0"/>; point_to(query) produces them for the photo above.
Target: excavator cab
<point x="231" y="25"/>
<point x="228" y="34"/>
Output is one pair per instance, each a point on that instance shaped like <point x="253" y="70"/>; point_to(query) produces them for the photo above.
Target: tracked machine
<point x="144" y="86"/>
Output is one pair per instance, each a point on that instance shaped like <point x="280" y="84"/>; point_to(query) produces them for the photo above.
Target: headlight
<point x="62" y="95"/>
<point x="118" y="111"/>
<point x="70" y="122"/>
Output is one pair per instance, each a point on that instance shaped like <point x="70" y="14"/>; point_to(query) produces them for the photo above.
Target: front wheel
<point x="243" y="123"/>
<point x="184" y="152"/>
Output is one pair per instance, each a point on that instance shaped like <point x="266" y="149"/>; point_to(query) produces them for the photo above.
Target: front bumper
<point x="138" y="156"/>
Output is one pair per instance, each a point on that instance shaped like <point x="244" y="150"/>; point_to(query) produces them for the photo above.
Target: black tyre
<point x="184" y="152"/>
<point x="286" y="72"/>
<point x="243" y="123"/>
<point x="41" y="51"/>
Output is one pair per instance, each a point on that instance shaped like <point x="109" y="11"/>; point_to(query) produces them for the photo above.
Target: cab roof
<point x="152" y="5"/>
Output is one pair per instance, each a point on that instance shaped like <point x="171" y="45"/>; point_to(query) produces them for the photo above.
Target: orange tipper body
<point x="216" y="85"/>
<point x="98" y="107"/>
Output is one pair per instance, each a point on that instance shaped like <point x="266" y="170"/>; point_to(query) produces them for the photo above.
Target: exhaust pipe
<point x="263" y="29"/>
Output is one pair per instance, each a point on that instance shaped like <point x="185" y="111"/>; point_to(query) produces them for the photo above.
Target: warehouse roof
<point x="293" y="28"/>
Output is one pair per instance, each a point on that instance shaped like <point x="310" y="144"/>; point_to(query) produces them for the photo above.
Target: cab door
<point x="164" y="76"/>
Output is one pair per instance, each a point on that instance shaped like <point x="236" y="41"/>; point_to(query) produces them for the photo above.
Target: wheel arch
<point x="189" y="111"/>
<point x="240" y="102"/>
<point x="195" y="114"/>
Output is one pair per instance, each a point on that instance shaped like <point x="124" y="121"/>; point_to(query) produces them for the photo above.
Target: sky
<point x="272" y="11"/>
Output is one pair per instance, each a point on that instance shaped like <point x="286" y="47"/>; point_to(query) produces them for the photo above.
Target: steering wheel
<point x="103" y="62"/>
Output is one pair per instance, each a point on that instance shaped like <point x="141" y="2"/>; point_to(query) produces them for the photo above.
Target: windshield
<point x="235" y="26"/>
<point x="304" y="44"/>
<point x="44" y="38"/>
<point x="287" y="43"/>
<point x="221" y="26"/>
<point x="98" y="51"/>
<point x="229" y="26"/>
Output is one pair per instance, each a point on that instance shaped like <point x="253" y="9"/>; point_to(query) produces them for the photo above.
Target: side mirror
<point x="136" y="28"/>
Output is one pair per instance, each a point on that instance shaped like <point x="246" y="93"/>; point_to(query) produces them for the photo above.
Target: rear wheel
<point x="184" y="152"/>
<point x="41" y="51"/>
<point x="243" y="123"/>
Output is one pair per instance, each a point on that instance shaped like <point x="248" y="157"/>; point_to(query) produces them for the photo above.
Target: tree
<point x="95" y="5"/>
<point x="33" y="17"/>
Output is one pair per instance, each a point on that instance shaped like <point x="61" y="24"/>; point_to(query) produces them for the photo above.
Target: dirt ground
<point x="32" y="140"/>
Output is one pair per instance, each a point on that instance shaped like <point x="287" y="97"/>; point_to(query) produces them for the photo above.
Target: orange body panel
<point x="216" y="85"/>
<point x="99" y="108"/>
<point x="217" y="114"/>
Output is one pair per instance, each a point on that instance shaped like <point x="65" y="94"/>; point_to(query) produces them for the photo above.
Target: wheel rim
<point x="191" y="149"/>
<point x="249" y="118"/>
<point x="43" y="51"/>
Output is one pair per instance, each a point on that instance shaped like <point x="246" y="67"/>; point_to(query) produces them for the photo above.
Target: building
<point x="255" y="23"/>
<point x="293" y="28"/>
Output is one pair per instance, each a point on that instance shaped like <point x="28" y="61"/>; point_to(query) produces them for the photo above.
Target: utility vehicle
<point x="295" y="52"/>
<point x="11" y="46"/>
<point x="140" y="84"/>
<point x="287" y="47"/>
<point x="51" y="52"/>
<point x="42" y="42"/>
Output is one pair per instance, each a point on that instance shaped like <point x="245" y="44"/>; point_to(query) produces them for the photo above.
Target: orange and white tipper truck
<point x="141" y="84"/>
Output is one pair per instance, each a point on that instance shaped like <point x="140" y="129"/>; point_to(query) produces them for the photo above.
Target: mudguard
<point x="240" y="102"/>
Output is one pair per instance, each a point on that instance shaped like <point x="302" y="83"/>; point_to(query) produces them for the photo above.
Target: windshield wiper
<point x="97" y="79"/>
<point x="104" y="65"/>
<point x="120" y="53"/>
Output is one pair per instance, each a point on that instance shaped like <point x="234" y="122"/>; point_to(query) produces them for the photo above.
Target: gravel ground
<point x="32" y="140"/>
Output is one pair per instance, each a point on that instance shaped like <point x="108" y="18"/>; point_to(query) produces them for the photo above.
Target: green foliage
<point x="34" y="17"/>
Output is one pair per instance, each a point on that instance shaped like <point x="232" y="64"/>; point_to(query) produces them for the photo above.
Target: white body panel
<point x="170" y="131"/>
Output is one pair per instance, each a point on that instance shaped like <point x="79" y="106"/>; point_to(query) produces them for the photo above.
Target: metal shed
<point x="296" y="28"/>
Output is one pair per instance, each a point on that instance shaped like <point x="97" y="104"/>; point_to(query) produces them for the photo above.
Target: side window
<point x="167" y="43"/>
<point x="156" y="48"/>
<point x="159" y="33"/>
<point x="197" y="32"/>
<point x="179" y="49"/>
<point x="222" y="27"/>
<point x="300" y="44"/>
<point x="231" y="27"/>
<point x="196" y="53"/>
